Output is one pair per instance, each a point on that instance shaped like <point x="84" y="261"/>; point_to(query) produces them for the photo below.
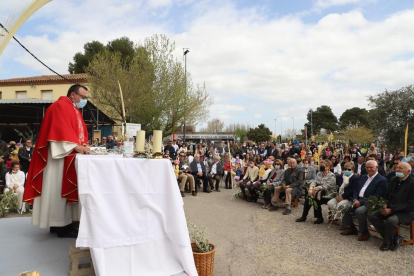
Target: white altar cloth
<point x="132" y="217"/>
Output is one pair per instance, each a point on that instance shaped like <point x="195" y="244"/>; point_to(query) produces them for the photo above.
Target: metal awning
<point x="31" y="111"/>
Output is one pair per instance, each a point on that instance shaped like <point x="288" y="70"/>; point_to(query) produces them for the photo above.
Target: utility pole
<point x="294" y="134"/>
<point x="311" y="111"/>
<point x="186" y="51"/>
<point x="281" y="133"/>
<point x="275" y="127"/>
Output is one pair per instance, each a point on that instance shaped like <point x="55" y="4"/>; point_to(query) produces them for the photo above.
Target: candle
<point x="157" y="141"/>
<point x="140" y="145"/>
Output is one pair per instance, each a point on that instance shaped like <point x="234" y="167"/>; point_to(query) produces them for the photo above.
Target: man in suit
<point x="198" y="170"/>
<point x="374" y="157"/>
<point x="215" y="173"/>
<point x="400" y="208"/>
<point x="371" y="184"/>
<point x="25" y="156"/>
<point x="170" y="148"/>
<point x="292" y="179"/>
<point x="273" y="151"/>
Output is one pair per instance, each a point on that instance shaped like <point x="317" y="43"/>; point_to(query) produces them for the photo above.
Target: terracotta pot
<point x="204" y="262"/>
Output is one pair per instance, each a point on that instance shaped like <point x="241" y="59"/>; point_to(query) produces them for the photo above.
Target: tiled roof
<point x="46" y="79"/>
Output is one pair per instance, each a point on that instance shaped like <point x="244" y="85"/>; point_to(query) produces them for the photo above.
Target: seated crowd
<point x="340" y="176"/>
<point x="343" y="178"/>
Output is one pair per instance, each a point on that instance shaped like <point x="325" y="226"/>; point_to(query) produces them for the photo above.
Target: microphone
<point x="92" y="115"/>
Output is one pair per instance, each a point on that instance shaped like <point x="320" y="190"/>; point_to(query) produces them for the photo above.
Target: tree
<point x="354" y="117"/>
<point x="322" y="118"/>
<point x="259" y="134"/>
<point x="157" y="94"/>
<point x="354" y="134"/>
<point x="122" y="45"/>
<point x="215" y="125"/>
<point x="390" y="115"/>
<point x="290" y="134"/>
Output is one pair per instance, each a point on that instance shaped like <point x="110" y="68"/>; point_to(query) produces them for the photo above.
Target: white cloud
<point x="258" y="116"/>
<point x="329" y="3"/>
<point x="249" y="62"/>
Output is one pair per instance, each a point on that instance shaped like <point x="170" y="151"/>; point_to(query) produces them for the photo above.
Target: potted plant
<point x="203" y="251"/>
<point x="7" y="201"/>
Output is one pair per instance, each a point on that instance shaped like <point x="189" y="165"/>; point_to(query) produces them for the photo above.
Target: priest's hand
<point x="82" y="149"/>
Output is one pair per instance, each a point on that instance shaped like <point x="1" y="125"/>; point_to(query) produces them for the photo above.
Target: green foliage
<point x="153" y="85"/>
<point x="374" y="203"/>
<point x="199" y="237"/>
<point x="390" y="115"/>
<point x="337" y="213"/>
<point x="27" y="134"/>
<point x="264" y="188"/>
<point x="312" y="202"/>
<point x="354" y="117"/>
<point x="259" y="134"/>
<point x="240" y="130"/>
<point x="322" y="118"/>
<point x="215" y="125"/>
<point x="7" y="201"/>
<point x="124" y="46"/>
<point x="354" y="134"/>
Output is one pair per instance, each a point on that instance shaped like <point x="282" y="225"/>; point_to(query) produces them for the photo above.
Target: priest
<point x="51" y="184"/>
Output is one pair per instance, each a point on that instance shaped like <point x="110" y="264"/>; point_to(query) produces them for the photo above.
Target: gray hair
<point x="405" y="165"/>
<point x="373" y="162"/>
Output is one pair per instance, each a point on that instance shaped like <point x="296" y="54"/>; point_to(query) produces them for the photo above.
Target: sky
<point x="260" y="60"/>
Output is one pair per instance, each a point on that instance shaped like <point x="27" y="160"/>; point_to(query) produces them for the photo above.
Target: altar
<point x="132" y="217"/>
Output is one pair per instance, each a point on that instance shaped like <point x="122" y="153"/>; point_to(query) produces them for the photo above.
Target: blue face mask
<point x="82" y="103"/>
<point x="347" y="173"/>
<point x="277" y="167"/>
<point x="399" y="174"/>
<point x="306" y="166"/>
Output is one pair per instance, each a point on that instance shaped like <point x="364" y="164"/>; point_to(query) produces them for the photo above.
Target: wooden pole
<point x="123" y="112"/>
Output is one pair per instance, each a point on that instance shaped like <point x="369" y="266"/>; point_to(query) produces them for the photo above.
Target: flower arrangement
<point x="199" y="237"/>
<point x="7" y="201"/>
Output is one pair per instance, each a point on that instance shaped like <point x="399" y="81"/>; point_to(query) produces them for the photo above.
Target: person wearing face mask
<point x="274" y="180"/>
<point x="309" y="172"/>
<point x="14" y="182"/>
<point x="285" y="154"/>
<point x="292" y="179"/>
<point x="371" y="184"/>
<point x="323" y="186"/>
<point x="252" y="174"/>
<point x="347" y="187"/>
<point x="52" y="174"/>
<point x="399" y="209"/>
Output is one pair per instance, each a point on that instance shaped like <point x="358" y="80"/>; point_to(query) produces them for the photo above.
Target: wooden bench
<point x="406" y="241"/>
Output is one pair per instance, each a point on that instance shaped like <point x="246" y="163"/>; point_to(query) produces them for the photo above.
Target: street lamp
<point x="186" y="51"/>
<point x="281" y="133"/>
<point x="275" y="127"/>
<point x="311" y="111"/>
<point x="294" y="136"/>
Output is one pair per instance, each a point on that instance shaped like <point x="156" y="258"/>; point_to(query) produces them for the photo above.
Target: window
<point x="1" y="96"/>
<point x="47" y="94"/>
<point x="21" y="94"/>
